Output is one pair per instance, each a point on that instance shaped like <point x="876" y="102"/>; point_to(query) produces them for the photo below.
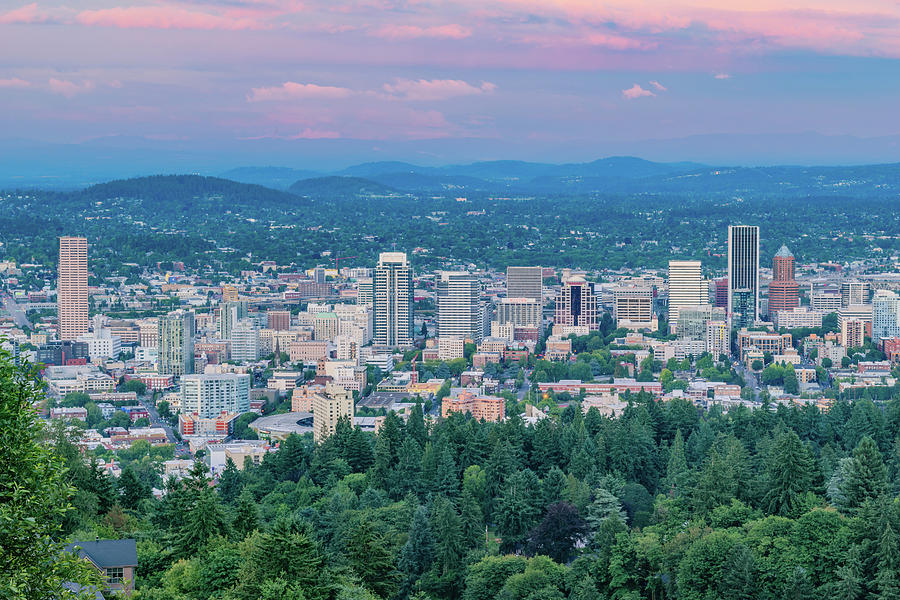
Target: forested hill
<point x="341" y="187"/>
<point x="168" y="190"/>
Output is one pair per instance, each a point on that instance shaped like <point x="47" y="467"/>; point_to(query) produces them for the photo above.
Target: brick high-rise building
<point x="784" y="291"/>
<point x="722" y="293"/>
<point x="72" y="287"/>
<point x="576" y="304"/>
<point x="279" y="320"/>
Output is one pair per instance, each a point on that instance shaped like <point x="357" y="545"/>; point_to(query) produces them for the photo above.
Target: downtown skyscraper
<point x="176" y="343"/>
<point x="525" y="282"/>
<point x="685" y="288"/>
<point x="459" y="308"/>
<point x="72" y="287"/>
<point x="784" y="291"/>
<point x="743" y="275"/>
<point x="393" y="300"/>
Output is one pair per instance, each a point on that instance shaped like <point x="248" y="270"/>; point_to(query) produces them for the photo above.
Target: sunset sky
<point x="536" y="75"/>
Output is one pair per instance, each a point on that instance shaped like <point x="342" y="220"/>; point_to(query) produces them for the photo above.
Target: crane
<point x="337" y="262"/>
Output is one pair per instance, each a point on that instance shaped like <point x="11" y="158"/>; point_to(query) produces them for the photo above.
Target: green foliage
<point x="35" y="497"/>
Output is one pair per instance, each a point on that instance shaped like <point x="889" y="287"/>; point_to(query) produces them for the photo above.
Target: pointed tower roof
<point x="783" y="252"/>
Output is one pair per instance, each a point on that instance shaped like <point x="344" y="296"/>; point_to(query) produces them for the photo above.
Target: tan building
<point x="489" y="408"/>
<point x="634" y="308"/>
<point x="328" y="409"/>
<point x="72" y="287"/>
<point x="853" y="333"/>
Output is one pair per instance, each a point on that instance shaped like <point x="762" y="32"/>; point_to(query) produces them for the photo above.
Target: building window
<point x="115" y="574"/>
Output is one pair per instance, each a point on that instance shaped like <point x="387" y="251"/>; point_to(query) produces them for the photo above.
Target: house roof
<point x="107" y="553"/>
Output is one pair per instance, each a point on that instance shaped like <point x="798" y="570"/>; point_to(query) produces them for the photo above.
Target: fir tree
<point x="230" y="483"/>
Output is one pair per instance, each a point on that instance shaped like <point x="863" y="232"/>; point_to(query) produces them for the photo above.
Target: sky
<point x="431" y="81"/>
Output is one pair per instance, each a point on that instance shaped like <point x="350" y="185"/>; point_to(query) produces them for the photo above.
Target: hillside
<point x="340" y="187"/>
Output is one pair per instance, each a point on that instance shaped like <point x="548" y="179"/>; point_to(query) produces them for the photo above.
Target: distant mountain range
<point x="26" y="163"/>
<point x="615" y="175"/>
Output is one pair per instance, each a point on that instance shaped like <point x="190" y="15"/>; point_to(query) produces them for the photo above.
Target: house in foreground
<point x="115" y="559"/>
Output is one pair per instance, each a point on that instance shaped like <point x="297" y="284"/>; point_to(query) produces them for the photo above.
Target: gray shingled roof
<point x="107" y="553"/>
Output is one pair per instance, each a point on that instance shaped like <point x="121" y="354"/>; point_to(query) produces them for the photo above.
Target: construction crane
<point x="337" y="262"/>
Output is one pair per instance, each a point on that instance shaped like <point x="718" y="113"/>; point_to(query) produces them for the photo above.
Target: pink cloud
<point x="617" y="42"/>
<point x="163" y="17"/>
<point x="722" y="76"/>
<point x="14" y="82"/>
<point x="290" y="90"/>
<point x="404" y="32"/>
<point x="660" y="87"/>
<point x="69" y="88"/>
<point x="636" y="91"/>
<point x="26" y="14"/>
<point x="436" y="89"/>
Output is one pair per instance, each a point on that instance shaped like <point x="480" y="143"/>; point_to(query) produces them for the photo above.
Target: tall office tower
<point x="685" y="288"/>
<point x="319" y="275"/>
<point x="393" y="300"/>
<point x="721" y="300"/>
<point x="279" y="320"/>
<point x="525" y="282"/>
<point x="692" y="324"/>
<point x="459" y="310"/>
<point x="72" y="287"/>
<point x="244" y="341"/>
<point x="364" y="291"/>
<point x="784" y="291"/>
<point x="855" y="292"/>
<point x="229" y="314"/>
<point x="885" y="315"/>
<point x="176" y="343"/>
<point x="209" y="395"/>
<point x="633" y="307"/>
<point x="576" y="304"/>
<point x="521" y="312"/>
<point x="743" y="275"/>
<point x="328" y="409"/>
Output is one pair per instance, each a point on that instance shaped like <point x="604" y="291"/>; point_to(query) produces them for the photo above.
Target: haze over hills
<point x="26" y="163"/>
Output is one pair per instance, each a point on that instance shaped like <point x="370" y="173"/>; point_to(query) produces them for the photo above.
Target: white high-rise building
<point x="364" y="291"/>
<point x="685" y="288"/>
<point x="855" y="292"/>
<point x="229" y="314"/>
<point x="209" y="395"/>
<point x="393" y="300"/>
<point x="459" y="310"/>
<point x="244" y="341"/>
<point x="743" y="275"/>
<point x="176" y="343"/>
<point x="885" y="315"/>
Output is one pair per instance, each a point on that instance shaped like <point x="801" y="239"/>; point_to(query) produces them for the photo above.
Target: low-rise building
<point x="488" y="408"/>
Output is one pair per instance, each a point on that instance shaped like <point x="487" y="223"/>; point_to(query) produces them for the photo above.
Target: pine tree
<point x="677" y="469"/>
<point x="447" y="483"/>
<point x="887" y="581"/>
<point x="472" y="520"/>
<point x="417" y="553"/>
<point x="230" y="483"/>
<point x="604" y="506"/>
<point x="518" y="508"/>
<point x="370" y="557"/>
<point x="409" y="469"/>
<point x="789" y="471"/>
<point x="866" y="476"/>
<point x="415" y="425"/>
<point x="739" y="575"/>
<point x="246" y="515"/>
<point x="204" y="520"/>
<point x="131" y="489"/>
<point x="445" y="577"/>
<point x="358" y="451"/>
<point x="553" y="486"/>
